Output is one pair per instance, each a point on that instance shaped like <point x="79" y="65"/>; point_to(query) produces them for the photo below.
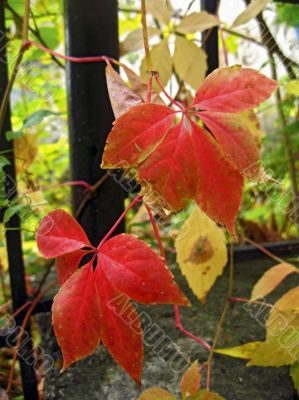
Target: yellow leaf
<point x="159" y="9"/>
<point x="282" y="339"/>
<point x="2" y="232"/>
<point x="197" y="22"/>
<point x="271" y="279"/>
<point x="162" y="63"/>
<point x="292" y="87"/>
<point x="245" y="351"/>
<point x="288" y="302"/>
<point x="206" y="395"/>
<point x="156" y="394"/>
<point x="25" y="151"/>
<point x="190" y="62"/>
<point x="282" y="342"/>
<point x="254" y="8"/>
<point x="201" y="252"/>
<point x="3" y="259"/>
<point x="190" y="383"/>
<point x="134" y="40"/>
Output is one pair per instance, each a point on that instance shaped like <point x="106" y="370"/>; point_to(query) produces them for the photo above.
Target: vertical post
<point x="91" y="29"/>
<point x="211" y="38"/>
<point x="13" y="233"/>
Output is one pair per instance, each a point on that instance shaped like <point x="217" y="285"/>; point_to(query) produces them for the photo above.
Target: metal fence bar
<point x="91" y="29"/>
<point x="287" y="1"/>
<point x="13" y="233"/>
<point x="210" y="38"/>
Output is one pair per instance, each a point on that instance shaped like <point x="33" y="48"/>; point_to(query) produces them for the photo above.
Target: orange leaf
<point x="190" y="383"/>
<point x="271" y="279"/>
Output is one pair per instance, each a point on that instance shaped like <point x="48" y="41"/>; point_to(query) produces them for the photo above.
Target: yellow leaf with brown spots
<point x="201" y="252"/>
<point x="26" y="149"/>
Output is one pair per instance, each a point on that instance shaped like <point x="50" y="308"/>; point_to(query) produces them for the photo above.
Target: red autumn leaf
<point x="234" y="136"/>
<point x="233" y="89"/>
<point x="76" y="318"/>
<point x="59" y="234"/>
<point x="92" y="304"/>
<point x="194" y="168"/>
<point x="182" y="161"/>
<point x="67" y="264"/>
<point x="146" y="278"/>
<point x="122" y="333"/>
<point x="137" y="134"/>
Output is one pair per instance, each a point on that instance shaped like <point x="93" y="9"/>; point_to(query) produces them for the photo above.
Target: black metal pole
<point x="287" y="1"/>
<point x="91" y="29"/>
<point x="13" y="234"/>
<point x="210" y="39"/>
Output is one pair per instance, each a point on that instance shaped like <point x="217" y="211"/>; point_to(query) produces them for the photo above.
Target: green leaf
<point x="11" y="211"/>
<point x="292" y="128"/>
<point x="50" y="36"/>
<point x="292" y="87"/>
<point x="294" y="373"/>
<point x="244" y="351"/>
<point x="156" y="393"/>
<point x="37" y="117"/>
<point x="12" y="135"/>
<point x="4" y="162"/>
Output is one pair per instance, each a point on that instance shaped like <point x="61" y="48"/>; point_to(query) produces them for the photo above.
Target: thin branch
<point x="189" y="7"/>
<point x="223" y="315"/>
<point x="93" y="59"/>
<point x="129" y="10"/>
<point x="23" y="48"/>
<point x="244" y="300"/>
<point x="130" y="206"/>
<point x="149" y="64"/>
<point x="25" y="31"/>
<point x="265" y="251"/>
<point x="178" y="322"/>
<point x="269" y="42"/>
<point x="40" y="38"/>
<point x="89" y="194"/>
<point x="11" y="18"/>
<point x="5" y="100"/>
<point x="172" y="101"/>
<point x="271" y="45"/>
<point x="242" y="36"/>
<point x="287" y="142"/>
